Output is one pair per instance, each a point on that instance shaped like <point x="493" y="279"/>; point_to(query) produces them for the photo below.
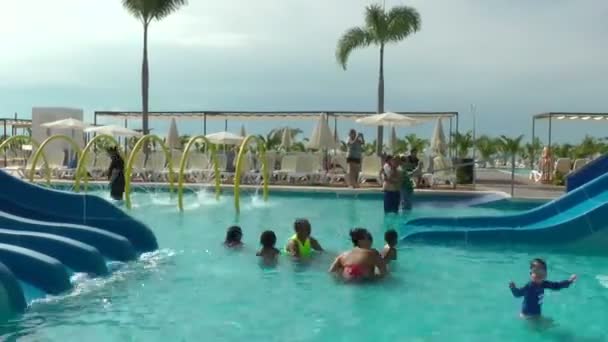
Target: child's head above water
<point x="302" y="228"/>
<point x="391" y="238"/>
<point x="268" y="239"/>
<point x="361" y="237"/>
<point x="538" y="270"/>
<point x="233" y="236"/>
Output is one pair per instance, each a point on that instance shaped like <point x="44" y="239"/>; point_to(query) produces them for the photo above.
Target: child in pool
<point x="390" y="252"/>
<point x="234" y="234"/>
<point x="268" y="252"/>
<point x="534" y="291"/>
<point x="302" y="244"/>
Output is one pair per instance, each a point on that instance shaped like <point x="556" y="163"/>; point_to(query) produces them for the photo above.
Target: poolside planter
<point x="464" y="174"/>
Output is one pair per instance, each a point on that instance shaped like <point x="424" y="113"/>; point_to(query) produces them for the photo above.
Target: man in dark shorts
<point x="355" y="151"/>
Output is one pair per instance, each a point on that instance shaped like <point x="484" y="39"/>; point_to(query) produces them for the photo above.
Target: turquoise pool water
<point x="195" y="290"/>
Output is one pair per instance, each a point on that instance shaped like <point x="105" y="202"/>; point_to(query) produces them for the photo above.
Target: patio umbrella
<point x="322" y="138"/>
<point x="438" y="143"/>
<point x="243" y="132"/>
<point x="286" y="138"/>
<point x="67" y="124"/>
<point x="224" y="138"/>
<point x="70" y="123"/>
<point x="173" y="140"/>
<point x="389" y="119"/>
<point x="392" y="141"/>
<point x="113" y="130"/>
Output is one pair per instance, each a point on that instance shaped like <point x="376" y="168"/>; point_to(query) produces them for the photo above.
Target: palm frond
<point x="376" y="23"/>
<point x="147" y="10"/>
<point x="401" y="22"/>
<point x="354" y="38"/>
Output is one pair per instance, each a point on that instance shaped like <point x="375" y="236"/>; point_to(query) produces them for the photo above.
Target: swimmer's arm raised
<point x="315" y="245"/>
<point x="558" y="285"/>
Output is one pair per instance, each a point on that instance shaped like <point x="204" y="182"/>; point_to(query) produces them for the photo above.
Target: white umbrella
<point x="388" y="119"/>
<point x="224" y="138"/>
<point x="243" y="132"/>
<point x="438" y="142"/>
<point x="286" y="138"/>
<point x="70" y="123"/>
<point x="113" y="130"/>
<point x="173" y="137"/>
<point x="322" y="138"/>
<point x="392" y="142"/>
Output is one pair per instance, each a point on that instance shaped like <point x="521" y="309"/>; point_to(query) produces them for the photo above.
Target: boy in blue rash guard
<point x="534" y="291"/>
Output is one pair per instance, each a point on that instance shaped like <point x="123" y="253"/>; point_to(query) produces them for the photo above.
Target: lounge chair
<point x="443" y="171"/>
<point x="579" y="164"/>
<point x="370" y="169"/>
<point x="562" y="166"/>
<point x="288" y="166"/>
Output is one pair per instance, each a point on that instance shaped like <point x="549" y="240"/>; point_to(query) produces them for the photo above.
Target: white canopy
<point x="388" y="119"/>
<point x="70" y="123"/>
<point x="392" y="141"/>
<point x="322" y="138"/>
<point x="113" y="130"/>
<point x="173" y="136"/>
<point x="438" y="142"/>
<point x="286" y="138"/>
<point x="224" y="138"/>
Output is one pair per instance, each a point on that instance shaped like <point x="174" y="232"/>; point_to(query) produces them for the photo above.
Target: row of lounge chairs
<point x="293" y="168"/>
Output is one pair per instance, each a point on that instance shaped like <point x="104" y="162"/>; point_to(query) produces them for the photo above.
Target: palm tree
<point x="146" y="11"/>
<point x="416" y="143"/>
<point x="462" y="143"/>
<point x="487" y="148"/>
<point x="511" y="147"/>
<point x="380" y="29"/>
<point x="531" y="150"/>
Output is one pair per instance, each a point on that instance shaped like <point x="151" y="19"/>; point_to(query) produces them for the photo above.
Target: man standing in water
<point x="355" y="150"/>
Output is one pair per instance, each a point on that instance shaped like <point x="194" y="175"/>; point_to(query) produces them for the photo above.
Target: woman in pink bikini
<point x="362" y="262"/>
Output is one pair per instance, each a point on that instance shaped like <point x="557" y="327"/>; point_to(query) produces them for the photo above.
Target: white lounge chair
<point x="370" y="169"/>
<point x="562" y="166"/>
<point x="443" y="171"/>
<point x="288" y="166"/>
<point x="579" y="164"/>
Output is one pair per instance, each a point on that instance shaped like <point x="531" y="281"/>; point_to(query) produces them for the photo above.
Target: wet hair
<point x="299" y="222"/>
<point x="540" y="262"/>
<point x="234" y="234"/>
<point x="390" y="236"/>
<point x="358" y="234"/>
<point x="268" y="239"/>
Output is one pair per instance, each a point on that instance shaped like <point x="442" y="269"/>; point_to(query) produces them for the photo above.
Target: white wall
<point x="42" y="115"/>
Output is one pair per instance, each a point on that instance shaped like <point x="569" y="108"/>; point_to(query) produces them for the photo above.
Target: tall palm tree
<point x="511" y="147"/>
<point x="462" y="143"/>
<point x="531" y="150"/>
<point x="146" y="11"/>
<point x="380" y="29"/>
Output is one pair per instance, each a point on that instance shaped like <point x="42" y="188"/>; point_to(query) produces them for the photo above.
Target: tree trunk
<point x="145" y="79"/>
<point x="380" y="137"/>
<point x="512" y="174"/>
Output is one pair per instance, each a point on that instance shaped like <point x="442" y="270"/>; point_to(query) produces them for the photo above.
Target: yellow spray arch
<point x="40" y="150"/>
<point x="6" y="143"/>
<point x="129" y="169"/>
<point x="182" y="166"/>
<point x="81" y="170"/>
<point x="237" y="178"/>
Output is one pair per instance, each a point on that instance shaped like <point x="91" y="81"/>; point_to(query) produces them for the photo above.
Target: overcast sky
<point x="512" y="58"/>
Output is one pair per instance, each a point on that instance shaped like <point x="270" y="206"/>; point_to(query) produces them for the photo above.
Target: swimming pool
<point x="193" y="289"/>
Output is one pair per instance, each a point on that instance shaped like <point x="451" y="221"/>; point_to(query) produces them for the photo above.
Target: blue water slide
<point x="570" y="218"/>
<point x="37" y="269"/>
<point x="76" y="255"/>
<point x="589" y="172"/>
<point x="112" y="246"/>
<point x="28" y="200"/>
<point x="15" y="299"/>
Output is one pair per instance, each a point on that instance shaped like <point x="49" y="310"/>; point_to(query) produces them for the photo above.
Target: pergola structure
<point x="14" y="124"/>
<point x="564" y="116"/>
<point x="272" y="115"/>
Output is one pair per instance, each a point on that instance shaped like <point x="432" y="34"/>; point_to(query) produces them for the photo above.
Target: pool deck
<point x="487" y="181"/>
